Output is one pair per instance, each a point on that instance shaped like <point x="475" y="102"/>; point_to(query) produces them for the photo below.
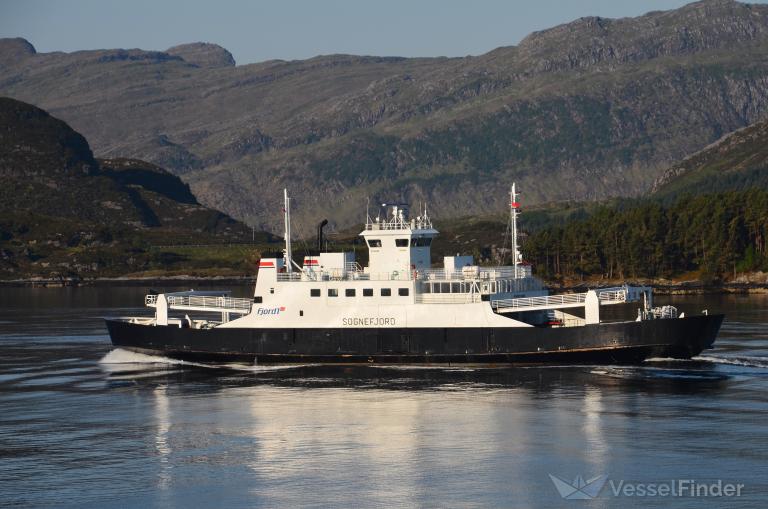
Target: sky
<point x="254" y="30"/>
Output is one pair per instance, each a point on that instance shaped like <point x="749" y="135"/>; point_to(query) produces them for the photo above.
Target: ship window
<point x="349" y="292"/>
<point x="436" y="288"/>
<point x="401" y="242"/>
<point x="455" y="287"/>
<point x="271" y="290"/>
<point x="386" y="292"/>
<point x="422" y="242"/>
<point x="402" y="292"/>
<point x="333" y="292"/>
<point x="367" y="292"/>
<point x="425" y="288"/>
<point x="301" y="312"/>
<point x="257" y="299"/>
<point x="374" y="242"/>
<point x="445" y="287"/>
<point x="314" y="292"/>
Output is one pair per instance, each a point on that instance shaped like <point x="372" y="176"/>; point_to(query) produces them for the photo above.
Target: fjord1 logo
<point x="270" y="311"/>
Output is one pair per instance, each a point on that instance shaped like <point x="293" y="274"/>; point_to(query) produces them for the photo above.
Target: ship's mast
<point x="288" y="257"/>
<point x="513" y="212"/>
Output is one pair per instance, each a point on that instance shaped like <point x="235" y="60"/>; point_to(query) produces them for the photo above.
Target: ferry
<point x="400" y="309"/>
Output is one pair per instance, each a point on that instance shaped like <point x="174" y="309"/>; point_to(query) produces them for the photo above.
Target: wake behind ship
<point x="400" y="310"/>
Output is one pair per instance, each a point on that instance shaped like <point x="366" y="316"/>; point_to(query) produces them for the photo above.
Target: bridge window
<point x="422" y="242"/>
<point x="349" y="292"/>
<point x="455" y="287"/>
<point x="333" y="292"/>
<point x="374" y="242"/>
<point x="401" y="242"/>
<point x="386" y="292"/>
<point x="314" y="292"/>
<point x="402" y="292"/>
<point x="367" y="292"/>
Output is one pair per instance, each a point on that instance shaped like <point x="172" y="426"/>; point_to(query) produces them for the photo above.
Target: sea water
<point x="85" y="425"/>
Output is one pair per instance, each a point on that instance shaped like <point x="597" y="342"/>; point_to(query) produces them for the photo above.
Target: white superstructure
<point x="398" y="288"/>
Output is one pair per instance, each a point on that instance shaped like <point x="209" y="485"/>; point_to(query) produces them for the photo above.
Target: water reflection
<point x="387" y="434"/>
<point x="163" y="425"/>
<point x="592" y="429"/>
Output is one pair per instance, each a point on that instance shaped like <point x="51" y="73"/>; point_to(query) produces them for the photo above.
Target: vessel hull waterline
<point x="615" y="342"/>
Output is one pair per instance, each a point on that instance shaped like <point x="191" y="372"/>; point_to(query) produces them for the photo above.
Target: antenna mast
<point x="513" y="212"/>
<point x="288" y="257"/>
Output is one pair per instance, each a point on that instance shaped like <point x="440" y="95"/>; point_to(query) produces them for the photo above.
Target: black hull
<point x="606" y="343"/>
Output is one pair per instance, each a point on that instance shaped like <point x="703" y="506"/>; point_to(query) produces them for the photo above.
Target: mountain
<point x="587" y="110"/>
<point x="738" y="161"/>
<point x="203" y="54"/>
<point x="57" y="202"/>
<point x="47" y="168"/>
<point x="705" y="218"/>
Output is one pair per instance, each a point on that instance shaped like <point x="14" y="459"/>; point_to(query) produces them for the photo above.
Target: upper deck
<point x="353" y="272"/>
<point x="398" y="221"/>
<point x="399" y="249"/>
<point x="468" y="280"/>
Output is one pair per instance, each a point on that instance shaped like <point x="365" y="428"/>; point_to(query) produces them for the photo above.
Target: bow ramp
<point x="212" y="302"/>
<point x="590" y="301"/>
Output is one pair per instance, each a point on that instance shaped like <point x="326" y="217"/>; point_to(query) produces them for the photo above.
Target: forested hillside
<point x="714" y="235"/>
<point x="64" y="213"/>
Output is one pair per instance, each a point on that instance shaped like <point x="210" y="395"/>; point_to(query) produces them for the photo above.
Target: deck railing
<point x="610" y="294"/>
<point x="447" y="298"/>
<point x="398" y="224"/>
<point x="214" y="303"/>
<point x="353" y="272"/>
<point x="543" y="301"/>
<point x="210" y="302"/>
<point x="605" y="296"/>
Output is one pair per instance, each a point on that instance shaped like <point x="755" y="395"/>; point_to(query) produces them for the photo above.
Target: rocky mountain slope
<point x="57" y="201"/>
<point x="738" y="161"/>
<point x="587" y="110"/>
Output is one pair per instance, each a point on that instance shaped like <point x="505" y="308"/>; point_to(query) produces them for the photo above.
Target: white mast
<point x="288" y="257"/>
<point x="513" y="206"/>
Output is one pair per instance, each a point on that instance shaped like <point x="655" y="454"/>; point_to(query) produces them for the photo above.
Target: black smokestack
<point x="320" y="235"/>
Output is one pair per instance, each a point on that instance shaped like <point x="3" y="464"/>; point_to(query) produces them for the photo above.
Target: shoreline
<point x="687" y="288"/>
<point x="127" y="281"/>
<point x="659" y="288"/>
